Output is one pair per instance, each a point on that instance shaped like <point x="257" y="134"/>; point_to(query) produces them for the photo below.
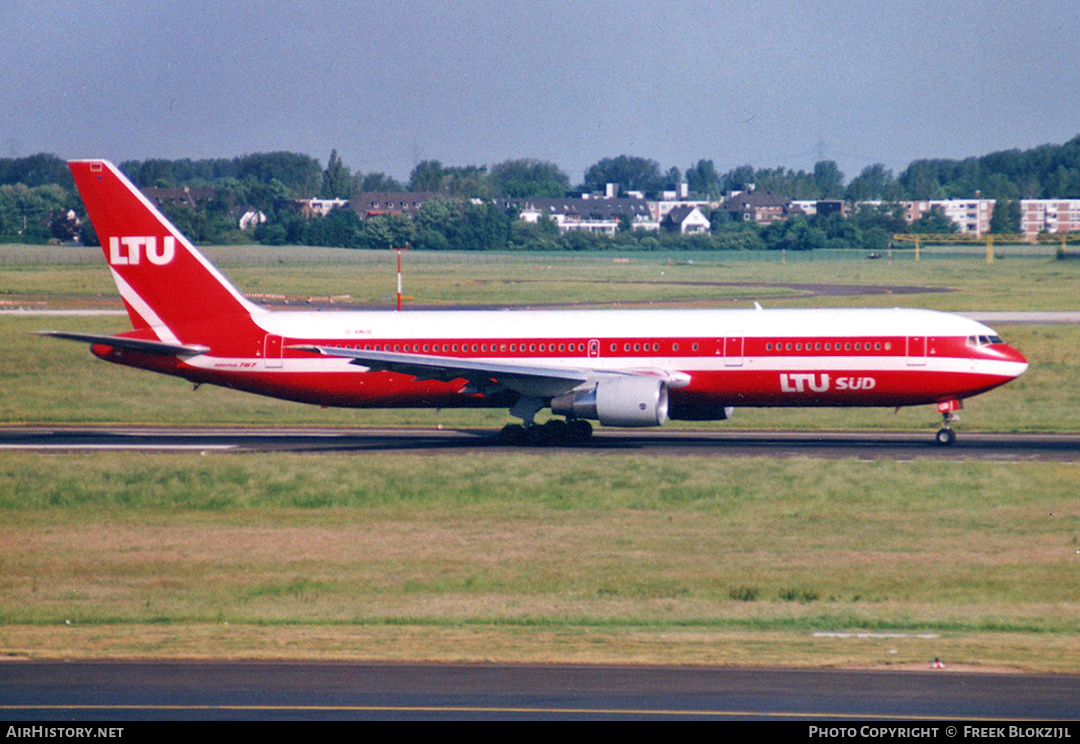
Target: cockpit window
<point x="977" y="341"/>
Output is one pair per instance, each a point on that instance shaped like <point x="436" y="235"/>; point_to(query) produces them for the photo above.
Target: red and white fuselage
<point x="638" y="366"/>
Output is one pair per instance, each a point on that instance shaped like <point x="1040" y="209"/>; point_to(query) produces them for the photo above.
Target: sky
<point x="388" y="84"/>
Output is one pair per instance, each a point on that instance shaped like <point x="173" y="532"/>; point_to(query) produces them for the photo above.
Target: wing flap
<point x="527" y="379"/>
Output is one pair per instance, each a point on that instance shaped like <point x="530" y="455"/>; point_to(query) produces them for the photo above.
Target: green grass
<point x="178" y="538"/>
<point x="1029" y="282"/>
<point x="525" y="556"/>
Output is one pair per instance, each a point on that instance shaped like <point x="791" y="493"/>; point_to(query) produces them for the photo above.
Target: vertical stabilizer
<point x="167" y="285"/>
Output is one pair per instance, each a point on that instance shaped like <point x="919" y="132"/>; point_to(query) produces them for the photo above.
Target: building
<point x="811" y="207"/>
<point x="185" y="196"/>
<point x="320" y="207"/>
<point x="762" y="207"/>
<point x="1049" y="216"/>
<point x="375" y="203"/>
<point x="971" y="216"/>
<point x="592" y="214"/>
<point x="686" y="220"/>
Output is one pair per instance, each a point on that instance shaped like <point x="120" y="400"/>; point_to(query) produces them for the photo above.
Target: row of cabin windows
<point x="467" y="347"/>
<point x="627" y="347"/>
<point x="829" y="346"/>
<point x="511" y="347"/>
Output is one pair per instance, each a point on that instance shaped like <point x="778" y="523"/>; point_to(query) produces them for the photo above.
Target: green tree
<point x="829" y="179"/>
<point x="336" y="181"/>
<point x="519" y="179"/>
<point x="703" y="179"/>
<point x="630" y="173"/>
<point x="480" y="227"/>
<point x="1006" y="217"/>
<point x="934" y="222"/>
<point x="870" y="185"/>
<point x="427" y="176"/>
<point x="466" y="182"/>
<point x="377" y="182"/>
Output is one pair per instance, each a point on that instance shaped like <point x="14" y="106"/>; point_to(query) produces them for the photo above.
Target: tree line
<point x="37" y="193"/>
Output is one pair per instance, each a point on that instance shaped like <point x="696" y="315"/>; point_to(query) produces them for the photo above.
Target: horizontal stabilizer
<point x="134" y="344"/>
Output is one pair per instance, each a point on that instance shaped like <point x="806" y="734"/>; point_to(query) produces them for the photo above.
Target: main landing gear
<point x="551" y="432"/>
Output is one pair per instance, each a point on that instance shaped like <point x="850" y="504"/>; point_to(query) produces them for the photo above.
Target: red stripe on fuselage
<point x="879" y="376"/>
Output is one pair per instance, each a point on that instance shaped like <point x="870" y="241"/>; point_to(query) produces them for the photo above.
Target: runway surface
<point x="133" y="691"/>
<point x="668" y="442"/>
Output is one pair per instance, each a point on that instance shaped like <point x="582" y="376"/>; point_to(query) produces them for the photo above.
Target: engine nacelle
<point x="629" y="401"/>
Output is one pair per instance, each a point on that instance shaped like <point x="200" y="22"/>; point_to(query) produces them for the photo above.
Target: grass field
<point x="529" y="557"/>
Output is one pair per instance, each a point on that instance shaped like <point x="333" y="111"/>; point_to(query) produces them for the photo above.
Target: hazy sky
<point x="388" y="84"/>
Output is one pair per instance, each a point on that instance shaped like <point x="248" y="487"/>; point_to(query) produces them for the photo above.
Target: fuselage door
<point x="916" y="351"/>
<point x="733" y="352"/>
<point x="594" y="349"/>
<point x="272" y="351"/>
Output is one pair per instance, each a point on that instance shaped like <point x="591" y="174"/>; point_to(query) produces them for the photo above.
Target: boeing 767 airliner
<point x="618" y="367"/>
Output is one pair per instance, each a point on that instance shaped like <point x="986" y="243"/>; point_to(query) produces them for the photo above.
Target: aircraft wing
<point x="527" y="379"/>
<point x="135" y="344"/>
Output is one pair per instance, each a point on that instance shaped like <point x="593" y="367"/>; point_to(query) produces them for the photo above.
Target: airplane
<point x="620" y="368"/>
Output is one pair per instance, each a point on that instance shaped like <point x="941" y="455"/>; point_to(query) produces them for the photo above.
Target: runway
<point x="1006" y="447"/>
<point x="139" y="691"/>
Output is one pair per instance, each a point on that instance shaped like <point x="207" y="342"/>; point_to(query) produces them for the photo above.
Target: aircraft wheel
<point x="579" y="430"/>
<point x="945" y="437"/>
<point x="512" y="434"/>
<point x="556" y="431"/>
<point x="536" y="435"/>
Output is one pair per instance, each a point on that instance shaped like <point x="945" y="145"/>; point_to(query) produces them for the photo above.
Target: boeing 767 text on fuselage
<point x="618" y="367"/>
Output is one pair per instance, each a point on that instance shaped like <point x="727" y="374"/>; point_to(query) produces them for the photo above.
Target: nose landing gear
<point x="945" y="435"/>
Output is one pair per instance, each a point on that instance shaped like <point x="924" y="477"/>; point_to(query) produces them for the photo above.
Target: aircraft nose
<point x="1015" y="356"/>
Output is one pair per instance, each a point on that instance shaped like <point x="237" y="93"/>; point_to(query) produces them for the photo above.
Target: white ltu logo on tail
<point x="129" y="251"/>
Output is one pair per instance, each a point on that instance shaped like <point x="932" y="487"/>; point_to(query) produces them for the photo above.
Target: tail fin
<point x="168" y="286"/>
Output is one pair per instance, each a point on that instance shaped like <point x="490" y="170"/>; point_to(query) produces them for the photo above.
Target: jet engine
<point x="625" y="401"/>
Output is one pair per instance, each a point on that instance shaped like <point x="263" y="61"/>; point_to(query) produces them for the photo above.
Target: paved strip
<point x="313" y="689"/>
<point x="865" y="445"/>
